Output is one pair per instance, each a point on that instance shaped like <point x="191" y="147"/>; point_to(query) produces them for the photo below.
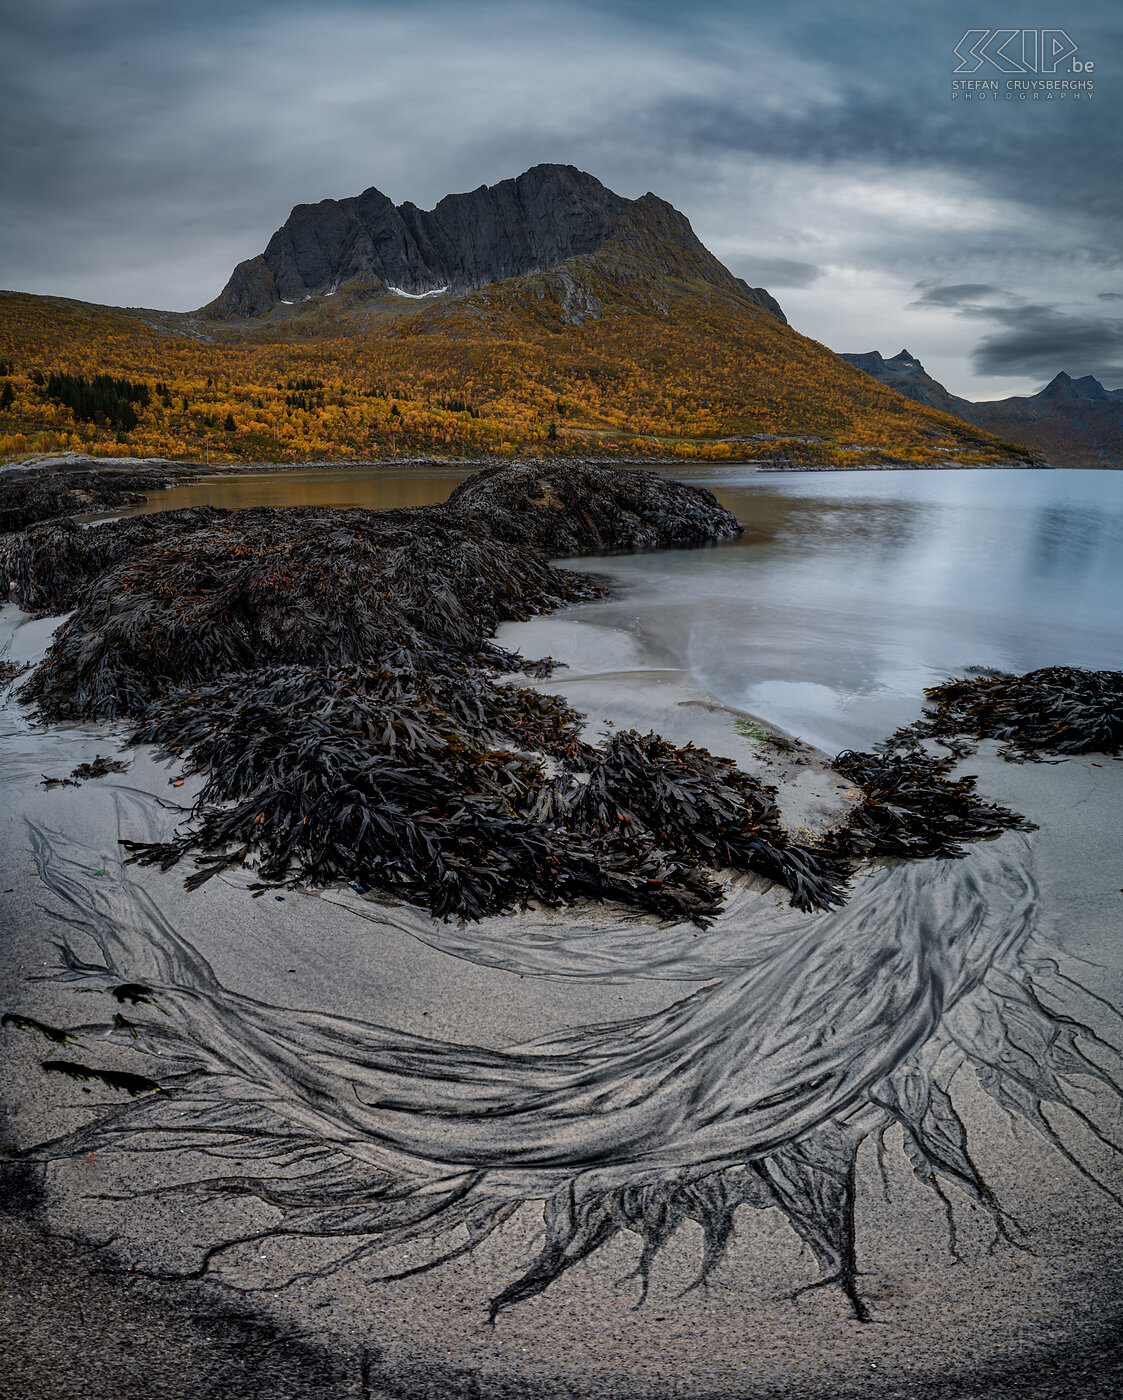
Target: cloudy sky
<point x="148" y="146"/>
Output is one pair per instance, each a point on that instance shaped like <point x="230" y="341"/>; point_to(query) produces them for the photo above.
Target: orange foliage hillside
<point x="600" y="355"/>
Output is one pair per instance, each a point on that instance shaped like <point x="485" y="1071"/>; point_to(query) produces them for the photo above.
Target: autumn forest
<point x="504" y="370"/>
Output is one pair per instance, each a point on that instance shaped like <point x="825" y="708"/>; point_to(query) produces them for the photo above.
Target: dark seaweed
<point x="1058" y="709"/>
<point x="135" y="993"/>
<point x="29" y="1023"/>
<point x="50" y="565"/>
<point x="912" y="807"/>
<point x="263" y="588"/>
<point x="131" y="1084"/>
<point x="31" y="495"/>
<point x="434" y="788"/>
<point x="99" y="767"/>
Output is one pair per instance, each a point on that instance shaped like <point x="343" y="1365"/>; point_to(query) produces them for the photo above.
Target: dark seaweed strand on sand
<point x="912" y="807"/>
<point x="1057" y="710"/>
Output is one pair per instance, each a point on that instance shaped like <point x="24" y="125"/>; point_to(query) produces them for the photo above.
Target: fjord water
<point x="849" y="592"/>
<point x="852" y="591"/>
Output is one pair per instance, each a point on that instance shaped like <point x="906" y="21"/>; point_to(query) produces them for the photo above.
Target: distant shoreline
<point x="75" y="463"/>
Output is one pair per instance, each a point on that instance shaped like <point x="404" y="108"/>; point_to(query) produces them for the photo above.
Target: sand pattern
<point x="815" y="1033"/>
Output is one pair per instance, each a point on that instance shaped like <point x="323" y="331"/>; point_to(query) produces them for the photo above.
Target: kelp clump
<point x="1058" y="709"/>
<point x="315" y="587"/>
<point x="49" y="566"/>
<point x="912" y="807"/>
<point x="462" y="795"/>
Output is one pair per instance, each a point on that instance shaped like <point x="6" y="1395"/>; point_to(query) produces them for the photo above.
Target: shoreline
<point x="77" y="462"/>
<point x="569" y="1343"/>
<point x="366" y="1025"/>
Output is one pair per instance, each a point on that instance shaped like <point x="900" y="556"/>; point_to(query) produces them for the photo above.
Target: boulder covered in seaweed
<point x="49" y="566"/>
<point x="316" y="587"/>
<point x="32" y="494"/>
<point x="569" y="508"/>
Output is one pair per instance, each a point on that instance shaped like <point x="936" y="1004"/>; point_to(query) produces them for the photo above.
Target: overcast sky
<point x="149" y="146"/>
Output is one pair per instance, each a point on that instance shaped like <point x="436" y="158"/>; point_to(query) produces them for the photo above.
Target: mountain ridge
<point x="1074" y="422"/>
<point x="339" y="342"/>
<point x="530" y="223"/>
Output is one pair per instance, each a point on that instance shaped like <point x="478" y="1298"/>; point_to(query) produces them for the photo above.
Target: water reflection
<point x="1065" y="541"/>
<point x="855" y="591"/>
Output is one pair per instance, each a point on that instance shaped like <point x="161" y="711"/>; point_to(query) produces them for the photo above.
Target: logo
<point x="1019" y="51"/>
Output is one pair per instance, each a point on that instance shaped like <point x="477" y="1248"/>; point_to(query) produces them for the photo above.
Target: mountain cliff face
<point x="543" y="218"/>
<point x="1074" y="422"/>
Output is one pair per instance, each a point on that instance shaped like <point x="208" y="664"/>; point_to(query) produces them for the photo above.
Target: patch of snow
<point x="285" y="303"/>
<point x="417" y="296"/>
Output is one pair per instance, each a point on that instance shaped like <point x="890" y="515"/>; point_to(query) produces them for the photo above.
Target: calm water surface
<point x="849" y="593"/>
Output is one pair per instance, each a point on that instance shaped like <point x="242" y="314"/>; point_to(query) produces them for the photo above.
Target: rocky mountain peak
<point x="531" y="223"/>
<point x="1063" y="386"/>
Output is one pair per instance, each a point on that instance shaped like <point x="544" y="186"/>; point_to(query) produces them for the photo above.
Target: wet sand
<point x="283" y="1001"/>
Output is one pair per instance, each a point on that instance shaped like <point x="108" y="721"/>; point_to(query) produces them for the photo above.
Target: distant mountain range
<point x="1072" y="422"/>
<point x="545" y="314"/>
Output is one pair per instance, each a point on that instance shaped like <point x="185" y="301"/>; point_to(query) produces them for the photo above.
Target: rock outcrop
<point x="579" y="508"/>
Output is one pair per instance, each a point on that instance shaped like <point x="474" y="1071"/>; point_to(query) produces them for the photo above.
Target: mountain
<point x="543" y="315"/>
<point x="544" y="217"/>
<point x="1073" y="422"/>
<point x="907" y="375"/>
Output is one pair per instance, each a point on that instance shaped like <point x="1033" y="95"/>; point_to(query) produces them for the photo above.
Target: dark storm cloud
<point x="1040" y="340"/>
<point x="1031" y="338"/>
<point x="956" y="294"/>
<point x="148" y="146"/>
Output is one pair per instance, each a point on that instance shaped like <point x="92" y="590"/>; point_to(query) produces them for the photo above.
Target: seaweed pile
<point x="913" y="808"/>
<point x="314" y="587"/>
<point x="1058" y="709"/>
<point x="587" y="509"/>
<point x="28" y="496"/>
<point x="49" y="567"/>
<point x="465" y="796"/>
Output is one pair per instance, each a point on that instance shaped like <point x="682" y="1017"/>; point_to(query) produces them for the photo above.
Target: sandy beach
<point x="294" y="1002"/>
